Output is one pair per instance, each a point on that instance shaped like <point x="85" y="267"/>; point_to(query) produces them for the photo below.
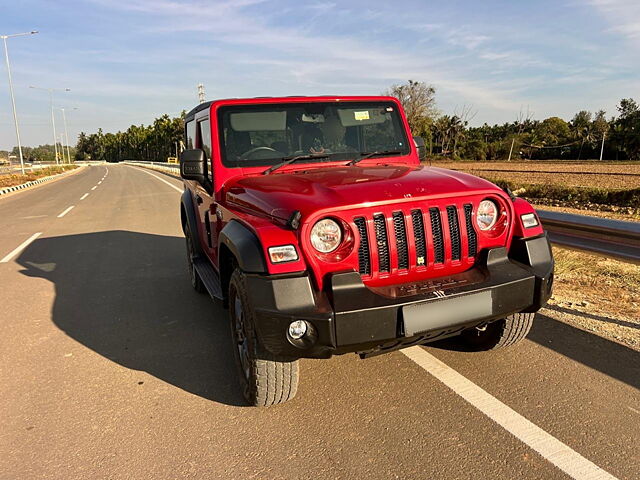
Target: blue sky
<point x="128" y="61"/>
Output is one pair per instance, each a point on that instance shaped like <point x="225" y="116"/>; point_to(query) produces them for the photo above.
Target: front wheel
<point x="265" y="378"/>
<point x="499" y="334"/>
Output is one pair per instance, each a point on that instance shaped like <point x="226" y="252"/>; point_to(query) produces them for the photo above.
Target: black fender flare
<point x="244" y="245"/>
<point x="190" y="221"/>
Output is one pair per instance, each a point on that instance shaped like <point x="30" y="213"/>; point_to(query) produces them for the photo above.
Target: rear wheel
<point x="196" y="282"/>
<point x="266" y="379"/>
<point x="499" y="334"/>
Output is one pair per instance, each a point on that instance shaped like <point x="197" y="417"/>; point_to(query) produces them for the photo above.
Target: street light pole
<point x="66" y="134"/>
<point x="53" y="122"/>
<point x="13" y="100"/>
<point x="53" y="118"/>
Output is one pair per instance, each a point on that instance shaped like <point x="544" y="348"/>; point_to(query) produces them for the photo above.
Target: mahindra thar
<point x="314" y="221"/>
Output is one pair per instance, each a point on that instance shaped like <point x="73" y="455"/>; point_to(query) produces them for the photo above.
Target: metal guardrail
<point x="170" y="168"/>
<point x="613" y="238"/>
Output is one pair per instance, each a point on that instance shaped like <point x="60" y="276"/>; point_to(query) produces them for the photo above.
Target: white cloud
<point x="622" y="15"/>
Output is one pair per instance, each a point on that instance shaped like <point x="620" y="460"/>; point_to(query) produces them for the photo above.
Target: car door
<point x="204" y="195"/>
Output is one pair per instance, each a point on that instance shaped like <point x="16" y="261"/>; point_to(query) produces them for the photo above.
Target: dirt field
<point x="598" y="294"/>
<point x="618" y="175"/>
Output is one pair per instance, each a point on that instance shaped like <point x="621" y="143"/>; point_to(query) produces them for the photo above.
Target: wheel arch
<point x="189" y="220"/>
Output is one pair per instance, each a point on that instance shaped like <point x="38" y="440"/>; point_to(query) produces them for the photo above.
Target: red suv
<point x="314" y="221"/>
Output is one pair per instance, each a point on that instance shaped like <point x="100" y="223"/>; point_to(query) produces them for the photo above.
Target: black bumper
<point x="352" y="318"/>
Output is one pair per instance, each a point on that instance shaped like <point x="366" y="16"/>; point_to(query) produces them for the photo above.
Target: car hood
<point x="279" y="194"/>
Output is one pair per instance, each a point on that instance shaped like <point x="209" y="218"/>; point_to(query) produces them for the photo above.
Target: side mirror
<point x="422" y="149"/>
<point x="193" y="165"/>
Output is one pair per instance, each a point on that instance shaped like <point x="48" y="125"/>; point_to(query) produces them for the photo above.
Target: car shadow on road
<point x="127" y="296"/>
<point x="596" y="352"/>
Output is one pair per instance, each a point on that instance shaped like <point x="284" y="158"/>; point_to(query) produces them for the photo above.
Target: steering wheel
<point x="249" y="154"/>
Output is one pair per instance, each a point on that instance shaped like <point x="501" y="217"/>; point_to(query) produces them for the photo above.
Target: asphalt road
<point x="113" y="367"/>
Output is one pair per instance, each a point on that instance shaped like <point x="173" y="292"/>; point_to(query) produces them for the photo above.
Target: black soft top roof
<point x="197" y="109"/>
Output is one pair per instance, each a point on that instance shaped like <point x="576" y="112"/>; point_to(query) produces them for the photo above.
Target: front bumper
<point x="353" y="318"/>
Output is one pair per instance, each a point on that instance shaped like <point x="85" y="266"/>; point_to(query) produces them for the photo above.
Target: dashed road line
<point x="93" y="188"/>
<point x="161" y="179"/>
<point x="99" y="182"/>
<point x="549" y="447"/>
<point x="20" y="247"/>
<point x="66" y="211"/>
<point x="84" y="196"/>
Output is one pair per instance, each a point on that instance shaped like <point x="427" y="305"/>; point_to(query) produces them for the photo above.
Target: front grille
<point x="382" y="243"/>
<point x="454" y="231"/>
<point x="419" y="237"/>
<point x="472" y="236"/>
<point x="401" y="240"/>
<point x="429" y="244"/>
<point x="363" y="251"/>
<point x="436" y="230"/>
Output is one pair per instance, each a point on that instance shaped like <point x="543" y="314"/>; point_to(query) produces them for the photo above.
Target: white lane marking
<point x="66" y="211"/>
<point x="84" y="196"/>
<point x="20" y="247"/>
<point x="549" y="447"/>
<point x="93" y="188"/>
<point x="99" y="182"/>
<point x="162" y="180"/>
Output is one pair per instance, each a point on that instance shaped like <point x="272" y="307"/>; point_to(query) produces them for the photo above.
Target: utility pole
<point x="13" y="100"/>
<point x="201" y="93"/>
<point x="513" y="140"/>
<point x="53" y="118"/>
<point x="604" y="134"/>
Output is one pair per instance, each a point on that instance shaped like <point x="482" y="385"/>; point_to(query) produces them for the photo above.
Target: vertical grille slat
<point x="400" y="231"/>
<point x="419" y="236"/>
<point x="454" y="232"/>
<point x="379" y="223"/>
<point x="472" y="237"/>
<point x="364" y="262"/>
<point x="436" y="228"/>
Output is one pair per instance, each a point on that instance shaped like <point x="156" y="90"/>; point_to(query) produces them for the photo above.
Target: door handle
<point x="198" y="199"/>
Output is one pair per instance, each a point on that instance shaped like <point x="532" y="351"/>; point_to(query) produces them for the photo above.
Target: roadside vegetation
<point x="18" y="179"/>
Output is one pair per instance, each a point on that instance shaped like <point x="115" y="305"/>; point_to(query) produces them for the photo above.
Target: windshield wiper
<point x="366" y="155"/>
<point x="288" y="160"/>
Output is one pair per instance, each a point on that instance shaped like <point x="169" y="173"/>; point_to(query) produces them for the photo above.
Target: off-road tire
<point x="499" y="334"/>
<point x="196" y="281"/>
<point x="266" y="379"/>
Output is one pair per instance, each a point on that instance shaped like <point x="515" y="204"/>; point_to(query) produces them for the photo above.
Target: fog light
<point x="297" y="329"/>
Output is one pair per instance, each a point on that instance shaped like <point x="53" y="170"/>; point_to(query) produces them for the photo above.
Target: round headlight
<point x="487" y="214"/>
<point x="326" y="235"/>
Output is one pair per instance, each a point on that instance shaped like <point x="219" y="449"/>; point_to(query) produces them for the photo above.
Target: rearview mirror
<point x="422" y="149"/>
<point x="193" y="165"/>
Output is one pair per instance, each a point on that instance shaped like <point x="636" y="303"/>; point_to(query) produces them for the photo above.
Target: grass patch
<point x="19" y="179"/>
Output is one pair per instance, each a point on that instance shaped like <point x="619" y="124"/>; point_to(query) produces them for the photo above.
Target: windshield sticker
<point x="361" y="115"/>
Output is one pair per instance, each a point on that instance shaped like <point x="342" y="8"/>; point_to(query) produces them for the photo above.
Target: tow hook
<point x="482" y="327"/>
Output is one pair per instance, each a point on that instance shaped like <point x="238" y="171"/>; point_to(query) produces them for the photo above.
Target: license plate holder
<point x="446" y="312"/>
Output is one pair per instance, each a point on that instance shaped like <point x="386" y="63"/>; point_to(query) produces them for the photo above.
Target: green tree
<point x="419" y="104"/>
<point x="627" y="128"/>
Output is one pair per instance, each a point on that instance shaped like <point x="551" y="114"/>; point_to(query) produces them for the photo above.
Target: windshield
<point x="256" y="135"/>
